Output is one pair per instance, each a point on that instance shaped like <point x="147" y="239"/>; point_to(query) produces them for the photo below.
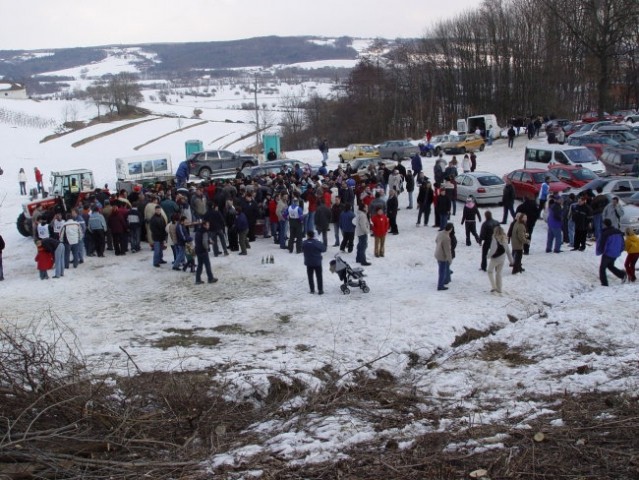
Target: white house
<point x="13" y="90"/>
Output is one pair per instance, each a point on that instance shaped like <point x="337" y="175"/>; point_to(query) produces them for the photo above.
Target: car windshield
<point x="539" y="177"/>
<point x="628" y="136"/>
<point x="367" y="148"/>
<point x="580" y="155"/>
<point x="490" y="180"/>
<point x="584" y="174"/>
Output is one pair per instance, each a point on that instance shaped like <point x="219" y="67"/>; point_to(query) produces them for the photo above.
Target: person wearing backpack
<point x="499" y="251"/>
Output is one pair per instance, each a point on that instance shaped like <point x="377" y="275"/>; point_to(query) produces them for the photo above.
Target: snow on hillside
<point x="267" y="324"/>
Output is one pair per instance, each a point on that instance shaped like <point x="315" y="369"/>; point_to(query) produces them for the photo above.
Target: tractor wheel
<point x="429" y="153"/>
<point x="23" y="225"/>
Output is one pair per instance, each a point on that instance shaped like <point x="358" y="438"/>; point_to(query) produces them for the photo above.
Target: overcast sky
<point x="38" y="24"/>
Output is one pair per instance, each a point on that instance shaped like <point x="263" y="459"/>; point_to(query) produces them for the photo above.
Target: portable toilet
<point x="193" y="146"/>
<point x="271" y="141"/>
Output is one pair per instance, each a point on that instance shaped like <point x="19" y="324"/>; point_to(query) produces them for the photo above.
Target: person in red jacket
<point x="272" y="218"/>
<point x="44" y="261"/>
<point x="38" y="178"/>
<point x="380" y="224"/>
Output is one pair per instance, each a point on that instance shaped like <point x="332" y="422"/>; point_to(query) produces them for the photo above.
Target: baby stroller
<point x="351" y="277"/>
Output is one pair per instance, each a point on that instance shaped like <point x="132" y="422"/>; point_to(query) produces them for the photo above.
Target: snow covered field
<point x="265" y="322"/>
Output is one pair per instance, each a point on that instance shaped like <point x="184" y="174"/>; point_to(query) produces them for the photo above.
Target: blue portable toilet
<point x="271" y="141"/>
<point x="192" y="146"/>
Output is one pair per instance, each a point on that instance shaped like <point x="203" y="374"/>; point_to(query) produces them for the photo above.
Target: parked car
<point x="619" y="185"/>
<point x="620" y="133"/>
<point x="527" y="182"/>
<point x="555" y="124"/>
<point x="360" y="166"/>
<point x="397" y="149"/>
<point x="486" y="187"/>
<point x="634" y="117"/>
<point x="468" y="142"/>
<point x="539" y="155"/>
<point x="574" y="175"/>
<point x="618" y="161"/>
<point x="358" y="150"/>
<point x="625" y="115"/>
<point x="590" y="117"/>
<point x="633" y="199"/>
<point x="273" y="167"/>
<point x="573" y="127"/>
<point x="218" y="163"/>
<point x="594" y="139"/>
<point x="437" y="141"/>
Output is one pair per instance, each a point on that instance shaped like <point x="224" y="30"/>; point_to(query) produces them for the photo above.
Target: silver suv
<point x="219" y="163"/>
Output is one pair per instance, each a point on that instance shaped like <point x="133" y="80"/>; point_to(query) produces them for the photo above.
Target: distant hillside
<point x="182" y="57"/>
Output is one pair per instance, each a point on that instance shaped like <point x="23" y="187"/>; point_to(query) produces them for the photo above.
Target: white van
<point x="485" y="123"/>
<point x="545" y="156"/>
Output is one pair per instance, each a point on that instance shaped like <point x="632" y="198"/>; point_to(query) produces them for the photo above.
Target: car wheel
<point x="204" y="173"/>
<point x="247" y="164"/>
<point x="481" y="147"/>
<point x="395" y="156"/>
<point x="341" y="159"/>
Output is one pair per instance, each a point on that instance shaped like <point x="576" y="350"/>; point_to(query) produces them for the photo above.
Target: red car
<point x="574" y="175"/>
<point x="590" y="117"/>
<point x="527" y="182"/>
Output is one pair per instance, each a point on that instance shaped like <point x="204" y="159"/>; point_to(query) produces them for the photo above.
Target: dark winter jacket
<point x="241" y="222"/>
<point x="313" y="250"/>
<point x="322" y="217"/>
<point x="346" y="221"/>
<point x="157" y="225"/>
<point x="508" y="197"/>
<point x="470" y="213"/>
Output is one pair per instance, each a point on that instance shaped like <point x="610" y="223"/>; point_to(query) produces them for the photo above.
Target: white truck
<point x="142" y="169"/>
<point x="487" y="124"/>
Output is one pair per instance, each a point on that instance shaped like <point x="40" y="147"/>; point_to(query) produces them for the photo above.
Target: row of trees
<point x="117" y="94"/>
<point x="508" y="57"/>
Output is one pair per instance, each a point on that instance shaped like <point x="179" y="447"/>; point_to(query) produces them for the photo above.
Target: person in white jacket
<point x="362" y="232"/>
<point x="614" y="211"/>
<point x="499" y="251"/>
<point x="71" y="235"/>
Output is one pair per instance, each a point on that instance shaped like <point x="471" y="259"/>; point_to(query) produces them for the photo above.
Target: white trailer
<point x="143" y="169"/>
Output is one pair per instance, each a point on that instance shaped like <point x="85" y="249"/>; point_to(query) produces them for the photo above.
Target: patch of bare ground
<point x="61" y="421"/>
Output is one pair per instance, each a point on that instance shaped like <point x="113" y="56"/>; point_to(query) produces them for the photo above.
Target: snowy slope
<point x="268" y="324"/>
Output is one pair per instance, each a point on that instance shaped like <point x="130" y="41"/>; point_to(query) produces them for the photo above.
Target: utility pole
<point x="257" y="115"/>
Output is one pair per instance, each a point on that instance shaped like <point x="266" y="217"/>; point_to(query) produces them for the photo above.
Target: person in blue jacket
<point x="182" y="173"/>
<point x="610" y="245"/>
<point x="313" y="250"/>
<point x="347" y="227"/>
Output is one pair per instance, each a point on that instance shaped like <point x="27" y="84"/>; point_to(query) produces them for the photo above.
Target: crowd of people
<point x="227" y="215"/>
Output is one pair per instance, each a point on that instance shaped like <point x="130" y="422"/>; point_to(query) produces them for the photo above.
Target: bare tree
<point x="600" y="26"/>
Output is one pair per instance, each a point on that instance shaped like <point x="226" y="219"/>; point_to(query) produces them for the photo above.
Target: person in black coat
<point x="471" y="211"/>
<point x="392" y="205"/>
<point x="485" y="237"/>
<point x="424" y="202"/>
<point x="323" y="220"/>
<point x="442" y="208"/>
<point x="531" y="210"/>
<point x="508" y="202"/>
<point x="410" y="187"/>
<point x="201" y="247"/>
<point x="313" y="250"/>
